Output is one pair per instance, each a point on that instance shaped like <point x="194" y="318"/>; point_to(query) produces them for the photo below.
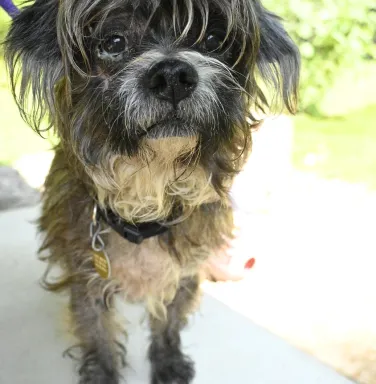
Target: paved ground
<point x="314" y="243"/>
<point x="313" y="282"/>
<point x="14" y="191"/>
<point x="227" y="347"/>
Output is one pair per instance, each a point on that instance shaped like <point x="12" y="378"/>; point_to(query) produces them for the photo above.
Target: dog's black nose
<point x="172" y="80"/>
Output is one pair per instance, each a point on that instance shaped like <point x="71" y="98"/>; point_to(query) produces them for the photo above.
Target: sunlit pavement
<point x="227" y="347"/>
<point x="314" y="279"/>
<point x="315" y="247"/>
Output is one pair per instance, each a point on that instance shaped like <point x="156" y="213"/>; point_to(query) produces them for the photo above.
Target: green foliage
<point x="333" y="35"/>
<point x="4" y="23"/>
<point x="338" y="148"/>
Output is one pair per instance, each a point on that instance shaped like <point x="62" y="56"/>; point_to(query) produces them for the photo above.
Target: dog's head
<point x="115" y="75"/>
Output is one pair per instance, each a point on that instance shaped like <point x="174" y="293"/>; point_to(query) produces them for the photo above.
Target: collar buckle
<point x="132" y="234"/>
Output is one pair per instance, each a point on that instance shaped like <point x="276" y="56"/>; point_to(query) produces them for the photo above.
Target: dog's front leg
<point x="169" y="364"/>
<point x="96" y="331"/>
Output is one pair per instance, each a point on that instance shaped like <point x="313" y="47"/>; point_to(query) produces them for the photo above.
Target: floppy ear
<point x="33" y="58"/>
<point x="279" y="58"/>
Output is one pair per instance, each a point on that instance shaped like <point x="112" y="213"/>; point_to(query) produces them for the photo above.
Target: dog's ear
<point x="34" y="60"/>
<point x="279" y="59"/>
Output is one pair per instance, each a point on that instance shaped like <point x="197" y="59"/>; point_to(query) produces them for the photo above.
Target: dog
<point x="153" y="102"/>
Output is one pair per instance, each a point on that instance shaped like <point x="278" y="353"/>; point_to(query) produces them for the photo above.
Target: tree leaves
<point x="331" y="35"/>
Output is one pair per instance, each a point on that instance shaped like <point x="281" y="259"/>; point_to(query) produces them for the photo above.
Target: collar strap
<point x="135" y="233"/>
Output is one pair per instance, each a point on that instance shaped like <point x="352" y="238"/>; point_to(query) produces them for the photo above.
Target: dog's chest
<point x="144" y="270"/>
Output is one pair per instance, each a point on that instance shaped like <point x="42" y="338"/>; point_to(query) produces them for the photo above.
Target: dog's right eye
<point x="114" y="45"/>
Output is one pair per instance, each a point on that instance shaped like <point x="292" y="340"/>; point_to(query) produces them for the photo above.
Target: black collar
<point x="135" y="233"/>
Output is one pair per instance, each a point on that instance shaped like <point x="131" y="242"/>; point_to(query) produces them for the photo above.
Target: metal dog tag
<point x="102" y="264"/>
<point x="100" y="258"/>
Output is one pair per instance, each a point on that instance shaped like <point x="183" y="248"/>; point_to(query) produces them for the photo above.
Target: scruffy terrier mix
<point x="151" y="100"/>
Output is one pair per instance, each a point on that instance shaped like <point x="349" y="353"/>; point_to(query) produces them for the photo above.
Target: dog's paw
<point x="93" y="372"/>
<point x="177" y="369"/>
<point x="99" y="376"/>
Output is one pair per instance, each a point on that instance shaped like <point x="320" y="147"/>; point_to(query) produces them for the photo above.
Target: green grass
<point x="16" y="138"/>
<point x="342" y="148"/>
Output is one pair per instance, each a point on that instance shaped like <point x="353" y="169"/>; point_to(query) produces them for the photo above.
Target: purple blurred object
<point x="9" y="7"/>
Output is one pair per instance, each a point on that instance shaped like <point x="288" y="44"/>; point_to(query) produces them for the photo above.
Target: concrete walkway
<point x="313" y="283"/>
<point x="228" y="348"/>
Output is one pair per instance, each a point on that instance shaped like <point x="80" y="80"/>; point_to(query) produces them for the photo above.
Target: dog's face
<point x="113" y="75"/>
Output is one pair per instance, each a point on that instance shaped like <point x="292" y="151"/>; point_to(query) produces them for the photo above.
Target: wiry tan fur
<point x="146" y="273"/>
<point x="144" y="187"/>
<point x="147" y="186"/>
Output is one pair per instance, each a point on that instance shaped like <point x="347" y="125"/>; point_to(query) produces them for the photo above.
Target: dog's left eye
<point x="114" y="45"/>
<point x="213" y="42"/>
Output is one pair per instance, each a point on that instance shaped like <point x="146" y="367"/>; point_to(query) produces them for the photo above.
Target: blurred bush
<point x="333" y="36"/>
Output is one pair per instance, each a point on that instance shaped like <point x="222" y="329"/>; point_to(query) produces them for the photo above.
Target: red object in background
<point x="250" y="263"/>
